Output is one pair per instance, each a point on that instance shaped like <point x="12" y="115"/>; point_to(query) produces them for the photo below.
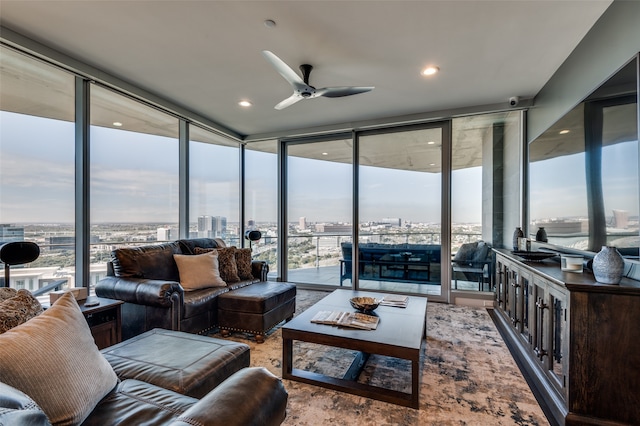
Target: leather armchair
<point x="252" y="396"/>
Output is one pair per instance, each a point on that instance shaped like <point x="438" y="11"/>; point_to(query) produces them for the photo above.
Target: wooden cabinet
<point x="578" y="341"/>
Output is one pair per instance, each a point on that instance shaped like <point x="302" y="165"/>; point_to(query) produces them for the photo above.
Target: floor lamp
<point x="17" y="253"/>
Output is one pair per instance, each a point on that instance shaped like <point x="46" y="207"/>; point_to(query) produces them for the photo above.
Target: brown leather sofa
<point x="252" y="396"/>
<point x="146" y="278"/>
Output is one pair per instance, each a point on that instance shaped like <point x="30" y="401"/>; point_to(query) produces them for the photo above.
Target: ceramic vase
<point x="608" y="266"/>
<point x="517" y="234"/>
<point x="541" y="235"/>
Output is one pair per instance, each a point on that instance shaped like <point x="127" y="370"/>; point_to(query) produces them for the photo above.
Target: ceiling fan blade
<point x="337" y="92"/>
<point x="289" y="101"/>
<point x="284" y="70"/>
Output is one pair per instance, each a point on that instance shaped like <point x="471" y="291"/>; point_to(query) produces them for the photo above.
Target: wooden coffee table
<point x="400" y="334"/>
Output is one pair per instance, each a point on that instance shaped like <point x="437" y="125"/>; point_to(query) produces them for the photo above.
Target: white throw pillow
<point x="199" y="270"/>
<point x="54" y="359"/>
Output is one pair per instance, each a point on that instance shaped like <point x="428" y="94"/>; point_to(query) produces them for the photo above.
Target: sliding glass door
<point x="400" y="210"/>
<point x="318" y="211"/>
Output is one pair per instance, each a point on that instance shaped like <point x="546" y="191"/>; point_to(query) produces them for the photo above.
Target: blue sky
<point x="134" y="177"/>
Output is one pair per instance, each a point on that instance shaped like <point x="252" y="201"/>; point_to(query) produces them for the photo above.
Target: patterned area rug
<point x="468" y="376"/>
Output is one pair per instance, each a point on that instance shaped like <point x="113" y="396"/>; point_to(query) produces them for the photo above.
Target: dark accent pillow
<point x="226" y="263"/>
<point x="243" y="262"/>
<point x="18" y="310"/>
<point x="465" y="252"/>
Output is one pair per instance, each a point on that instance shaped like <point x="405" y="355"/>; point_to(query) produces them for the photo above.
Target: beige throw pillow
<point x="199" y="270"/>
<point x="53" y="359"/>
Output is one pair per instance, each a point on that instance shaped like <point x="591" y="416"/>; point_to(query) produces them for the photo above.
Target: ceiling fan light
<point x="431" y="70"/>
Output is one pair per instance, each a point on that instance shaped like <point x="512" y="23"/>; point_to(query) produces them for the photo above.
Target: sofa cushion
<point x="16" y="408"/>
<point x="199" y="271"/>
<point x="18" y="309"/>
<point x="53" y="359"/>
<point x="153" y="262"/>
<point x="243" y="263"/>
<point x="188" y="246"/>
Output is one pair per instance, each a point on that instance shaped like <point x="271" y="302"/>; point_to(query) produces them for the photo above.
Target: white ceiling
<point x="205" y="55"/>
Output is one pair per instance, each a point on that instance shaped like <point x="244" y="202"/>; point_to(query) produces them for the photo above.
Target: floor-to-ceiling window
<point x="400" y="210"/>
<point x="476" y="142"/>
<point x="214" y="187"/>
<point x="37" y="163"/>
<point x="261" y="200"/>
<point x="319" y="210"/>
<point x="133" y="175"/>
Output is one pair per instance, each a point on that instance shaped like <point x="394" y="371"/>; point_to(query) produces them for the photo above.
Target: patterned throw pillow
<point x="7" y="293"/>
<point x="243" y="262"/>
<point x="226" y="263"/>
<point x="18" y="310"/>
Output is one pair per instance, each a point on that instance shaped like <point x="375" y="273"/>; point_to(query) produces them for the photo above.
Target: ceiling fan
<point x="301" y="88"/>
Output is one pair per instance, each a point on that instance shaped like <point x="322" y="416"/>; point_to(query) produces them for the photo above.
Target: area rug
<point x="468" y="376"/>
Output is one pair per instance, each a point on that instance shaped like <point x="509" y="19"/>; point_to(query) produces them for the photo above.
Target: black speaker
<point x="19" y="252"/>
<point x="253" y="235"/>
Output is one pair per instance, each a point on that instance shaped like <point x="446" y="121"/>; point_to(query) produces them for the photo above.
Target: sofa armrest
<point x="252" y="396"/>
<point x="259" y="269"/>
<point x="141" y="291"/>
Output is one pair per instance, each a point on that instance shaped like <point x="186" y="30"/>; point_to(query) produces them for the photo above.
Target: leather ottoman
<point x="186" y="363"/>
<point x="256" y="308"/>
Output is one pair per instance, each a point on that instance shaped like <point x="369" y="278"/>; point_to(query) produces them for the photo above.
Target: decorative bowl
<point x="365" y="304"/>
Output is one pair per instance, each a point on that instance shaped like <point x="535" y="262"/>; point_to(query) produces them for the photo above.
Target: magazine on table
<point x="346" y="319"/>
<point x="395" y="300"/>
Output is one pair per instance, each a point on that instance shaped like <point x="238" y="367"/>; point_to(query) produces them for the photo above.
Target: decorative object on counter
<point x="533" y="256"/>
<point x="541" y="235"/>
<point x="571" y="263"/>
<point x="517" y="234"/>
<point x="608" y="265"/>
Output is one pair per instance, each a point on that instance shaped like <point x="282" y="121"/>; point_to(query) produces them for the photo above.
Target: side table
<point x="104" y="321"/>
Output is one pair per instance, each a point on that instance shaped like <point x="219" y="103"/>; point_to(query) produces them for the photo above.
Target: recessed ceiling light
<point x="432" y="164"/>
<point x="245" y="104"/>
<point x="269" y="23"/>
<point x="431" y="143"/>
<point x="431" y="70"/>
<point x="564" y="132"/>
<point x="325" y="153"/>
<point x="117" y="124"/>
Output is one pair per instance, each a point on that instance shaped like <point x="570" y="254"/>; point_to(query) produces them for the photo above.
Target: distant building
<point x="333" y="228"/>
<point x="620" y="219"/>
<point x="167" y="234"/>
<point x="61" y="243"/>
<point x="392" y="221"/>
<point x="212" y="226"/>
<point x="10" y="233"/>
<point x="302" y="223"/>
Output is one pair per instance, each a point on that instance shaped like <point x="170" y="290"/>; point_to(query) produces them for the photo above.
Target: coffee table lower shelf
<point x="384" y="341"/>
<point x="349" y="384"/>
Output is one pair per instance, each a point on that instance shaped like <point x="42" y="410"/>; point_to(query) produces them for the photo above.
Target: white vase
<point x="608" y="266"/>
